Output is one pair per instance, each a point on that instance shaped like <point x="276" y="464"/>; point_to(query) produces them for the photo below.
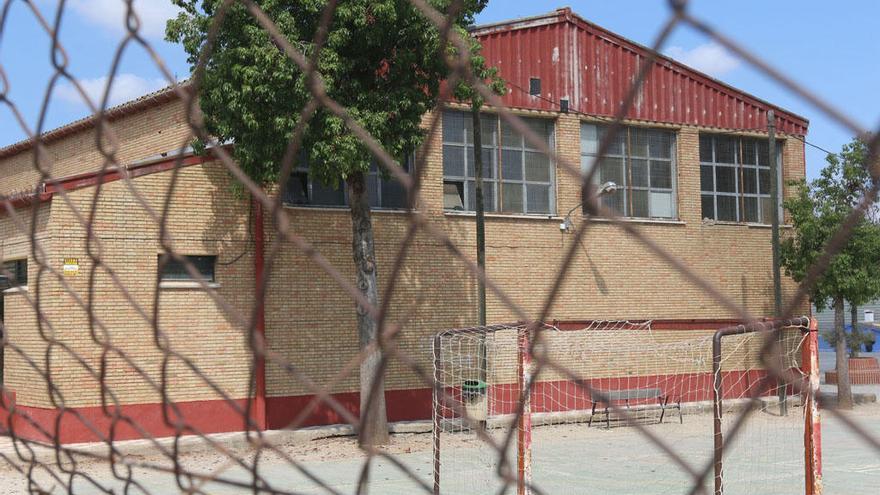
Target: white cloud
<point x="125" y="87"/>
<point x="111" y="14"/>
<point x="711" y="58"/>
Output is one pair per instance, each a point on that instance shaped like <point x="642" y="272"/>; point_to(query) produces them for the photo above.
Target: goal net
<point x="598" y="390"/>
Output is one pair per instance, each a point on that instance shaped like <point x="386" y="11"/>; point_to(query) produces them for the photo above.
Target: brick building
<point x="692" y="164"/>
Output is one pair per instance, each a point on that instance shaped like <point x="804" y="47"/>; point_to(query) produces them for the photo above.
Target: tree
<point x="382" y="60"/>
<point x="817" y="211"/>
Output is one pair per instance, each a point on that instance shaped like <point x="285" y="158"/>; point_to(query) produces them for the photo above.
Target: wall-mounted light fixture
<point x="606" y="188"/>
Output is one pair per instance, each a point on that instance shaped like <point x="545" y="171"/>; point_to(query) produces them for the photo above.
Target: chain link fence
<point x="258" y="465"/>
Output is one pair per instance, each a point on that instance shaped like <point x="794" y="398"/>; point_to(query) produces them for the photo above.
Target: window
<point x="517" y="178"/>
<point x="303" y="190"/>
<point x="175" y="271"/>
<point x="13" y="273"/>
<point x="735" y="178"/>
<point x="641" y="162"/>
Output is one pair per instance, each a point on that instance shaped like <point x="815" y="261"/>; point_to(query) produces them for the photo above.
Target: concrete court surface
<point x="568" y="459"/>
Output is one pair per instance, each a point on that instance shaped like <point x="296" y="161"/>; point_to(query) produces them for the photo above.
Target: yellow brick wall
<point x="612" y="275"/>
<point x="310" y="321"/>
<point x="149" y="132"/>
<point x="15" y="233"/>
<point x="201" y="337"/>
<point x="22" y="359"/>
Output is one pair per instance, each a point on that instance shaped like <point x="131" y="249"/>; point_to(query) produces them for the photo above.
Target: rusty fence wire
<point x="64" y="469"/>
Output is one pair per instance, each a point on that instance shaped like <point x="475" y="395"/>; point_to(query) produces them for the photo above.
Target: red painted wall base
<point x="93" y="424"/>
<point x="402" y="405"/>
<point x="90" y="424"/>
<point x="133" y="421"/>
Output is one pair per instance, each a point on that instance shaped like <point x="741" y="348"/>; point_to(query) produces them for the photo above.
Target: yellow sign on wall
<point x="71" y="267"/>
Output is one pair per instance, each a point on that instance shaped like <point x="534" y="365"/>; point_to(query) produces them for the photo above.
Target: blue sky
<point x="830" y="47"/>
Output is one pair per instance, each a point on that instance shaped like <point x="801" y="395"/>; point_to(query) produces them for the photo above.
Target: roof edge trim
<point x="159" y="97"/>
<point x="523" y="22"/>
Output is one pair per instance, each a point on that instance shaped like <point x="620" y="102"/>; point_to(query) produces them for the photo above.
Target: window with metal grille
<point x="517" y="178"/>
<point x="173" y="270"/>
<point x="641" y="162"/>
<point x="383" y="192"/>
<point x="735" y="178"/>
<point x="13" y="273"/>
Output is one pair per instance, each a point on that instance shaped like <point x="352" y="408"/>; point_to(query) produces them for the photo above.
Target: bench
<point x="626" y="395"/>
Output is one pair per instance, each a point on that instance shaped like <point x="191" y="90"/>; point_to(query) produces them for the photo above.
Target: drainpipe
<point x="259" y="410"/>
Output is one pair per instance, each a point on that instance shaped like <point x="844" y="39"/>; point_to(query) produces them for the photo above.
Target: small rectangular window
<point x="173" y="270"/>
<point x="535" y="86"/>
<point x="13" y="273"/>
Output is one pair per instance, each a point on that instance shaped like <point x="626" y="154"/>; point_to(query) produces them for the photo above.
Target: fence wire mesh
<point x="258" y="464"/>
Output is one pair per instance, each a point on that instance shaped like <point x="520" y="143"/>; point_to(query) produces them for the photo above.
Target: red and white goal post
<point x="684" y="383"/>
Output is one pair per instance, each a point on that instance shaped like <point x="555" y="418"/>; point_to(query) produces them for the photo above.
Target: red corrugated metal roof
<point x="574" y="59"/>
<point x="594" y="68"/>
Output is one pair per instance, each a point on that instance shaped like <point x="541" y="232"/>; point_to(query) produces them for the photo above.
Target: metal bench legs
<point x="662" y="401"/>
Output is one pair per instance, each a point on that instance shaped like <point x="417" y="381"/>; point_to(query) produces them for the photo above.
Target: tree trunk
<point x="844" y="389"/>
<point x="856" y="334"/>
<point x="374" y="423"/>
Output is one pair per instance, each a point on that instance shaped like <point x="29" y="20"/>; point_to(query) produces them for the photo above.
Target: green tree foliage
<point x="383" y="60"/>
<point x="488" y="75"/>
<point x="817" y="211"/>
